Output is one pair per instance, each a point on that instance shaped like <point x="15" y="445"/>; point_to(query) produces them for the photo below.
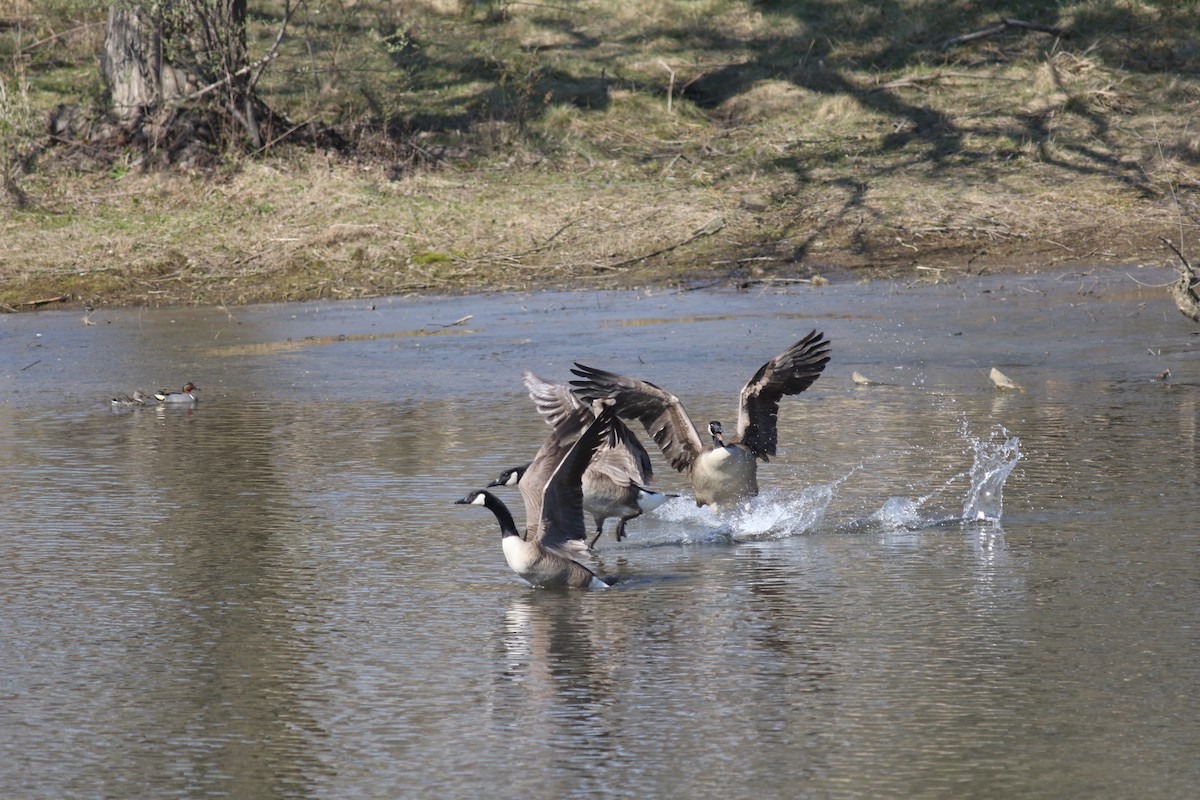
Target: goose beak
<point x="718" y="437"/>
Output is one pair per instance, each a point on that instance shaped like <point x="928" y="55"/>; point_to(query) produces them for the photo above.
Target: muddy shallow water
<point x="273" y="595"/>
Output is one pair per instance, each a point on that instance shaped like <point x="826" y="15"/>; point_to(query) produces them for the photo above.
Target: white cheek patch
<point x="513" y="479"/>
<point x="478" y="501"/>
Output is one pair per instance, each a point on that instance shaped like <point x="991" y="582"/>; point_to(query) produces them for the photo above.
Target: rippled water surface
<point x="273" y="594"/>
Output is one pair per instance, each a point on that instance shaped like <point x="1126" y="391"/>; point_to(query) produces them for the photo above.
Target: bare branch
<point x="1005" y="24"/>
<point x="288" y="10"/>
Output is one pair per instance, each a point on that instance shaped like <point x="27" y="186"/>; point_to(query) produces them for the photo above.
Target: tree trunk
<point x="127" y="66"/>
<point x="182" y="71"/>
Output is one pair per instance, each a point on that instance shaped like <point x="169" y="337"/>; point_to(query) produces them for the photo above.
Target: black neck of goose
<point x="507" y="526"/>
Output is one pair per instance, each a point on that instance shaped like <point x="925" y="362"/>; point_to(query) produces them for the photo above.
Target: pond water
<point x="944" y="590"/>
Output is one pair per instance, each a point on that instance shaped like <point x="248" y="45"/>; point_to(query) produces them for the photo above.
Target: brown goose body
<point x="722" y="473"/>
<point x="614" y="484"/>
<point x="555" y="541"/>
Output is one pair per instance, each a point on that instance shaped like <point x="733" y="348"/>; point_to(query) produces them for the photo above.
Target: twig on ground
<point x="917" y="80"/>
<point x="670" y="84"/>
<point x="708" y="229"/>
<point x="1004" y="24"/>
<point x="29" y="48"/>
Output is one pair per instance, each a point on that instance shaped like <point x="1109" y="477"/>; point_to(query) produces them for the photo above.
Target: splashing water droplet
<point x="898" y="512"/>
<point x="994" y="460"/>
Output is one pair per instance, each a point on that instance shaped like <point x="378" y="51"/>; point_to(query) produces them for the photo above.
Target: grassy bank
<point x="603" y="144"/>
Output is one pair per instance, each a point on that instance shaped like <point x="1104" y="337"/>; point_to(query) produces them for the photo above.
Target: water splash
<point x="774" y="514"/>
<point x="994" y="460"/>
<point x="777" y="515"/>
<point x="898" y="512"/>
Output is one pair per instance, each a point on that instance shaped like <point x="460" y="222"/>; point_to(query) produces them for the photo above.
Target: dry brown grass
<point x="731" y="141"/>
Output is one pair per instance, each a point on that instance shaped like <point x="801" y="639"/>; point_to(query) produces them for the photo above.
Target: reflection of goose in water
<point x="555" y="538"/>
<point x="614" y="484"/>
<point x="724" y="473"/>
<point x="555" y="673"/>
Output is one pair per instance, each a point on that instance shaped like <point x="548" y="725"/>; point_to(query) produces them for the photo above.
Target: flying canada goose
<point x="555" y="534"/>
<point x="614" y="483"/>
<point x="723" y="473"/>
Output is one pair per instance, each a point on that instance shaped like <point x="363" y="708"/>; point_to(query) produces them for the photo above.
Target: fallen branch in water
<point x="44" y="301"/>
<point x="1186" y="290"/>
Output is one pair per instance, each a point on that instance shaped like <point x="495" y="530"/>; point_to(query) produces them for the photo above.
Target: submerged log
<point x="1185" y="291"/>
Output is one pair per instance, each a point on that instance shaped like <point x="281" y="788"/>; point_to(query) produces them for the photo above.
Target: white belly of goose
<point x="541" y="568"/>
<point x="725" y="476"/>
<point x="520" y="555"/>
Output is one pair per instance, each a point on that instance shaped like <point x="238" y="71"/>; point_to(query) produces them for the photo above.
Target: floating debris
<point x="1186" y="290"/>
<point x="1002" y="381"/>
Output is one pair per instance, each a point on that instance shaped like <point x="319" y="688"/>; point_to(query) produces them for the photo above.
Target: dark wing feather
<point x="562" y="527"/>
<point x="555" y="401"/>
<point x="660" y="412"/>
<point x="790" y="372"/>
<point x="549" y="456"/>
<point x="625" y="463"/>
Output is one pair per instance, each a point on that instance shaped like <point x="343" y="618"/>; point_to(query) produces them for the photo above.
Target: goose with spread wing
<point x="614" y="484"/>
<point x="555" y="542"/>
<point x="724" y="472"/>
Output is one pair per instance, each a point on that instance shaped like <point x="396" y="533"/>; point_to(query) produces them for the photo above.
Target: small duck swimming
<point x="184" y="397"/>
<point x="138" y="398"/>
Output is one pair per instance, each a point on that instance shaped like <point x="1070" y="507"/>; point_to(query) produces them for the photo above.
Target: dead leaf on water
<point x="1002" y="381"/>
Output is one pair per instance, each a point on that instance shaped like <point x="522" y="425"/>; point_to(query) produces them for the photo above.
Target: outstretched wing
<point x="549" y="456"/>
<point x="660" y="412"/>
<point x="625" y="463"/>
<point x="790" y="372"/>
<point x="562" y="527"/>
<point x="556" y="402"/>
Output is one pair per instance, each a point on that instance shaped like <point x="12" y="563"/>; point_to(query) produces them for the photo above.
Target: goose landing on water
<point x="603" y="497"/>
<point x="723" y="473"/>
<point x="614" y="483"/>
<point x="555" y="538"/>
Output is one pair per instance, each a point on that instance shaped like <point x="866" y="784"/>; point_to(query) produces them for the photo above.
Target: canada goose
<point x="614" y="483"/>
<point x="555" y="535"/>
<point x="183" y="397"/>
<point x="723" y="473"/>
